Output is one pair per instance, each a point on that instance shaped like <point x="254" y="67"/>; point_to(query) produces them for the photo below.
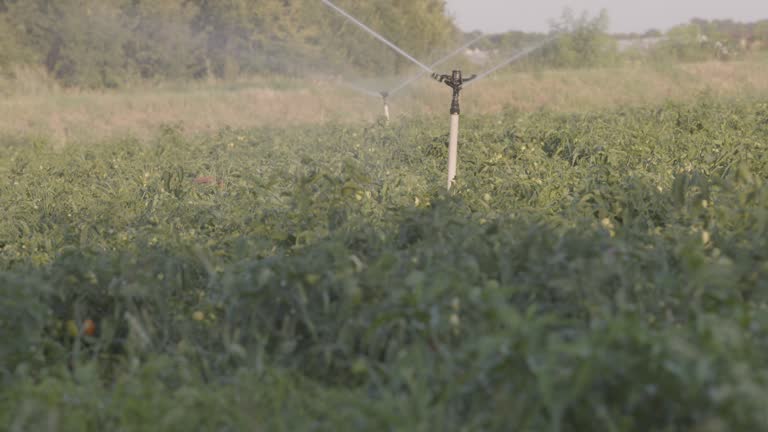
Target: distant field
<point x="598" y="270"/>
<point x="34" y="106"/>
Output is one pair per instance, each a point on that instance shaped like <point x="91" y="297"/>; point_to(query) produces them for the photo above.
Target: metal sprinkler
<point x="456" y="82"/>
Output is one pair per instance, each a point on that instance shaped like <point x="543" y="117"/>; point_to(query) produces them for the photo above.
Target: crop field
<point x="34" y="105"/>
<point x="599" y="271"/>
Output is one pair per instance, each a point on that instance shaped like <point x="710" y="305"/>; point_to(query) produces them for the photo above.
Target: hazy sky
<point x="626" y="15"/>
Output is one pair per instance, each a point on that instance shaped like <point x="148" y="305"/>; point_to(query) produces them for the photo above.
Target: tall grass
<point x="35" y="105"/>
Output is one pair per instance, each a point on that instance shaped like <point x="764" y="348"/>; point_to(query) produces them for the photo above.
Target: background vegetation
<point x="112" y="43"/>
<point x="39" y="107"/>
<point x="105" y="43"/>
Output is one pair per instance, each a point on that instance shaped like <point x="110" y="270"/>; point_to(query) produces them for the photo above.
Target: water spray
<point x="426" y="69"/>
<point x="377" y="36"/>
<point x="359" y="89"/>
<point x="456" y="82"/>
<point x="453" y="54"/>
<point x="384" y="95"/>
<point x="515" y="57"/>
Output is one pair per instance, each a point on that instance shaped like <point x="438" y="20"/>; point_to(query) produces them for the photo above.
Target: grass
<point x="35" y="106"/>
<point x="599" y="270"/>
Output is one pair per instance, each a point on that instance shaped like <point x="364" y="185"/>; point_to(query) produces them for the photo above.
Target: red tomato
<point x="89" y="327"/>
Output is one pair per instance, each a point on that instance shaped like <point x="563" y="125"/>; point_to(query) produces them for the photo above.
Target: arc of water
<point x="415" y="77"/>
<point x="359" y="89"/>
<point x="377" y="36"/>
<point x="513" y="59"/>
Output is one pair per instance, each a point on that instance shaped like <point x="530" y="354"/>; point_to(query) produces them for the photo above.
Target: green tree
<point x="421" y="27"/>
<point x="288" y="38"/>
<point x="760" y="33"/>
<point x="80" y="42"/>
<point x="685" y="43"/>
<point x="227" y="27"/>
<point x="11" y="50"/>
<point x="584" y="41"/>
<point x="162" y="43"/>
<point x="103" y="43"/>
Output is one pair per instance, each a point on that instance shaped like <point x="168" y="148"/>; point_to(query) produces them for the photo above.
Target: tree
<point x="104" y="43"/>
<point x="11" y="50"/>
<point x="584" y="41"/>
<point x="760" y="32"/>
<point x="685" y="43"/>
<point x="421" y="27"/>
<point x="79" y="41"/>
<point x="163" y="43"/>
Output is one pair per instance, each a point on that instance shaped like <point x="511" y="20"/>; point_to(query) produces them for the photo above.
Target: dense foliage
<point x="604" y="271"/>
<point x="112" y="43"/>
<point x="106" y="43"/>
<point x="583" y="42"/>
<point x="587" y="42"/>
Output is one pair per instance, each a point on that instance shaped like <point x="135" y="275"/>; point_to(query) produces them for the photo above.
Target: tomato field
<point x="605" y="271"/>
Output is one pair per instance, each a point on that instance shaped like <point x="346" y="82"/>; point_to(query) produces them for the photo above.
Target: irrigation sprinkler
<point x="426" y="69"/>
<point x="386" y="94"/>
<point x="456" y="82"/>
<point x="453" y="54"/>
<point x="383" y="95"/>
<point x="384" y="98"/>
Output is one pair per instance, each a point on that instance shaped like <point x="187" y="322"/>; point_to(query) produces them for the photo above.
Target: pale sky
<point x="494" y="16"/>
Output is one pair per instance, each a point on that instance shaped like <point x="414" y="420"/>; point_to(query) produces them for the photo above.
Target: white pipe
<point x="386" y="111"/>
<point x="453" y="149"/>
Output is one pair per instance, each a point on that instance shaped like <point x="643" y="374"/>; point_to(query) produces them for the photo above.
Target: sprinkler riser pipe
<point x="453" y="149"/>
<point x="455" y="82"/>
<point x="386" y="112"/>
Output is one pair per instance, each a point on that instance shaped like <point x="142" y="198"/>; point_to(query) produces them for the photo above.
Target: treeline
<point x="723" y="30"/>
<point x="583" y="41"/>
<point x="586" y="42"/>
<point x="109" y="43"/>
<point x="724" y="39"/>
<point x="106" y="43"/>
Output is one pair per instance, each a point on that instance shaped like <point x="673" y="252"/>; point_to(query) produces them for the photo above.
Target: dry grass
<point x="33" y="105"/>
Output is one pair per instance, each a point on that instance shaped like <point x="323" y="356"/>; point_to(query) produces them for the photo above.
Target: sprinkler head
<point x="454" y="81"/>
